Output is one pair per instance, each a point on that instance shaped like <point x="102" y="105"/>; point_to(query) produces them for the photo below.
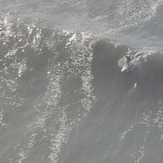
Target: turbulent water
<point x="63" y="95"/>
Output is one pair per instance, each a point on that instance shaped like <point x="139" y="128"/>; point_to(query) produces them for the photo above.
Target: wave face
<point x="63" y="97"/>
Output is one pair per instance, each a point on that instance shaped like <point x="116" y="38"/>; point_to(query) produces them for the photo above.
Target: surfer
<point x="128" y="59"/>
<point x="128" y="65"/>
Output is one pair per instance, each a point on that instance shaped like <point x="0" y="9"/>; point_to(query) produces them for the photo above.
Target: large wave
<point x="53" y="79"/>
<point x="45" y="89"/>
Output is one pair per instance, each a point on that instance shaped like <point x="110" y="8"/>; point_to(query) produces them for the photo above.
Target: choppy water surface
<point x="63" y="97"/>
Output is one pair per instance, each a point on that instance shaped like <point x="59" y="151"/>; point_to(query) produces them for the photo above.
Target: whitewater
<point x="63" y="95"/>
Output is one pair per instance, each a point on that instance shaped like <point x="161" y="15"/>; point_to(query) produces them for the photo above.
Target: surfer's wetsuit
<point x="128" y="58"/>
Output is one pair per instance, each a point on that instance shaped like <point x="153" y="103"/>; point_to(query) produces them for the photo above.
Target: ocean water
<point x="63" y="95"/>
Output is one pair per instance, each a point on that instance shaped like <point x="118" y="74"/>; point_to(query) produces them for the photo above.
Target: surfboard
<point x="124" y="68"/>
<point x="127" y="68"/>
